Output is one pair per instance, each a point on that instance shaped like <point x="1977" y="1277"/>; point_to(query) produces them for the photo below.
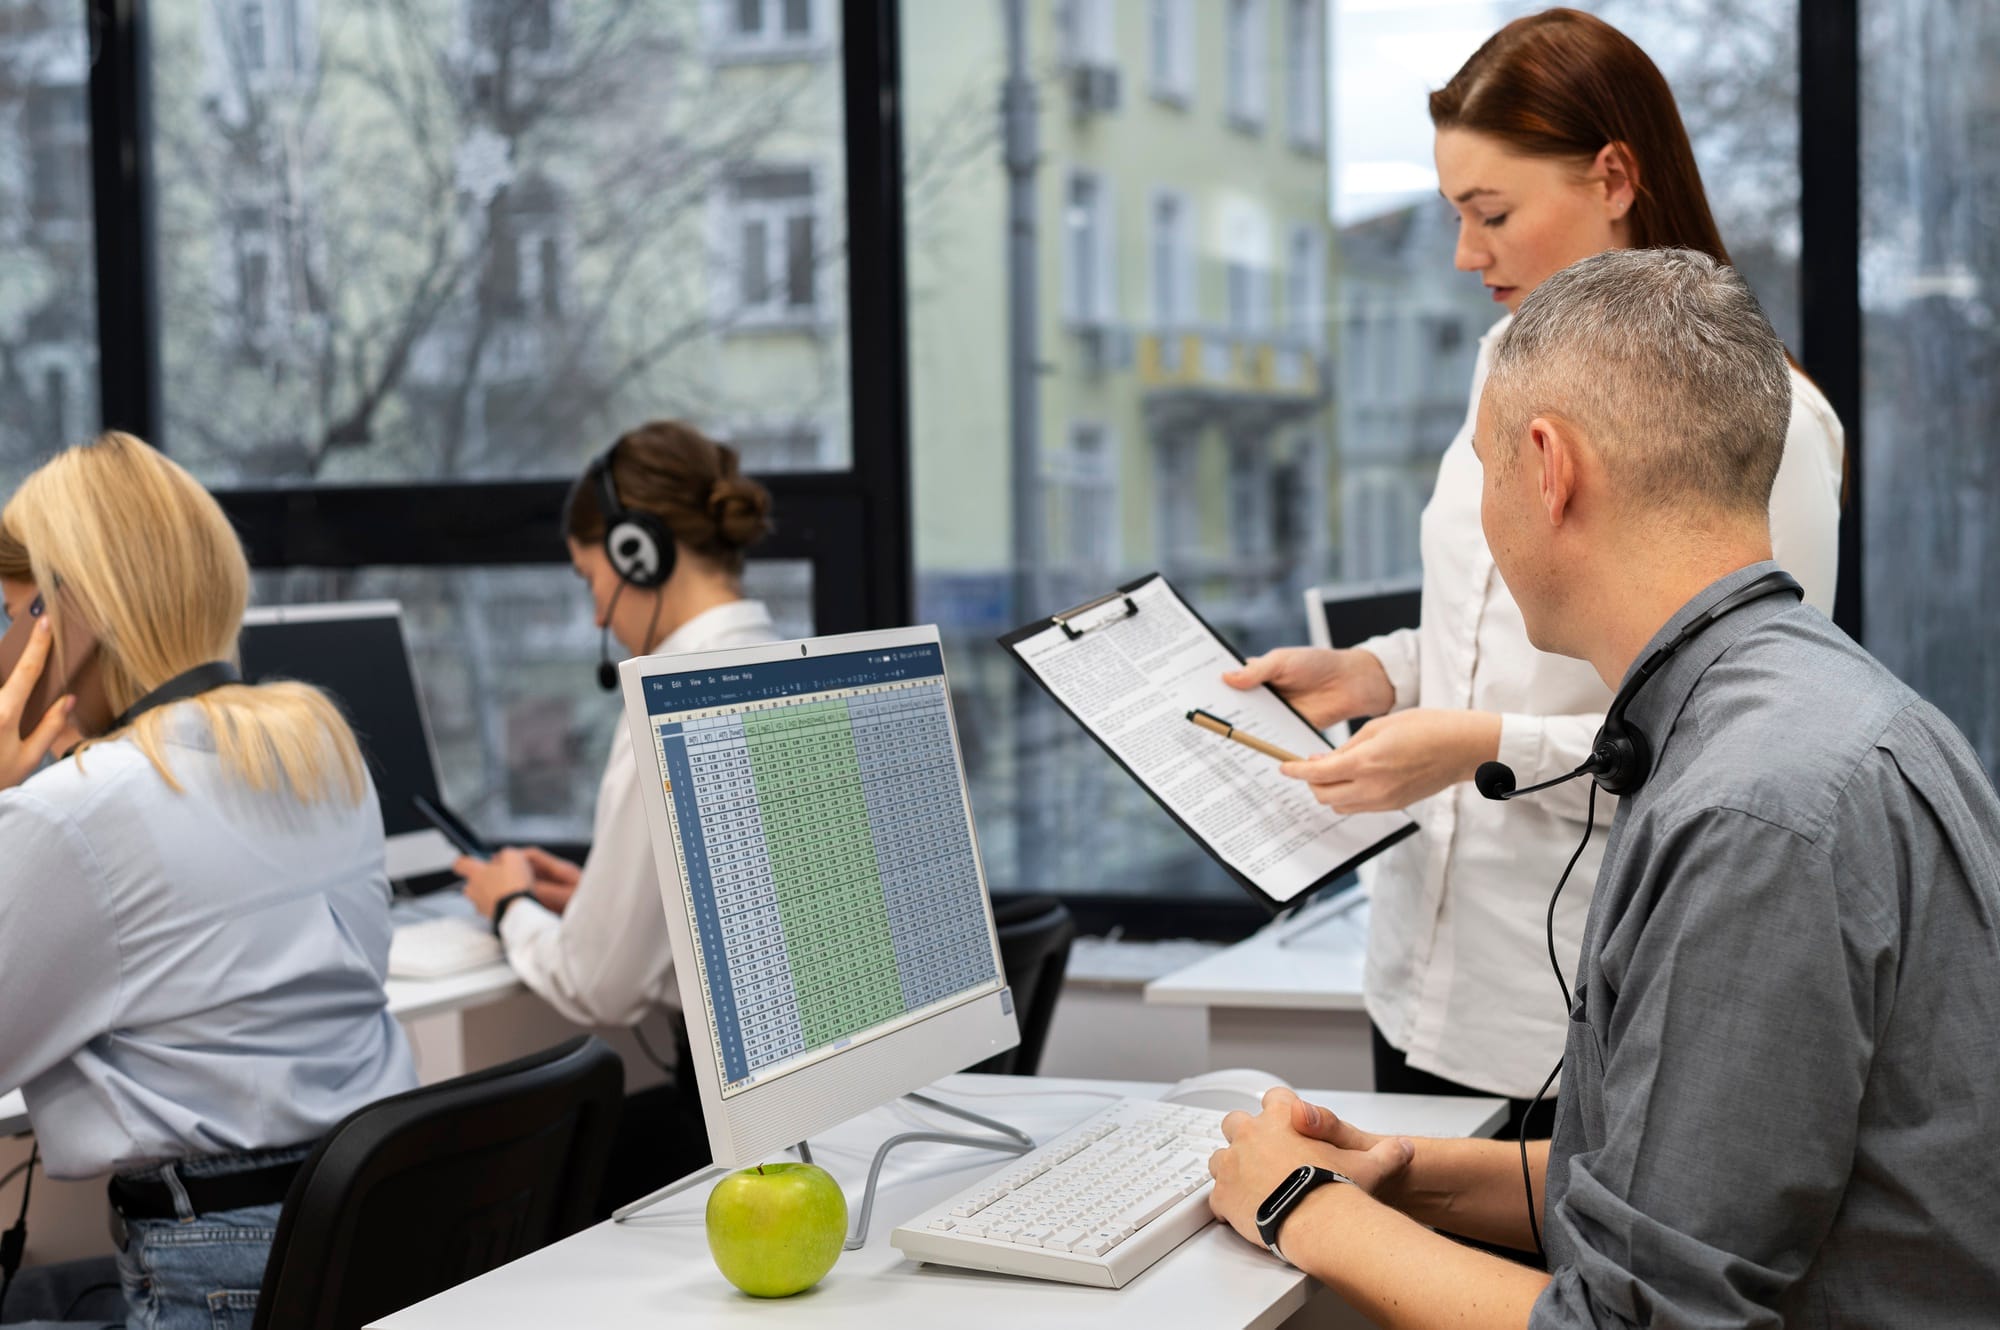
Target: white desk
<point x="414" y="999"/>
<point x="657" y="1271"/>
<point x="1287" y="999"/>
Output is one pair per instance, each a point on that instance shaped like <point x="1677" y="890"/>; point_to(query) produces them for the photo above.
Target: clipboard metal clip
<point x="1067" y="619"/>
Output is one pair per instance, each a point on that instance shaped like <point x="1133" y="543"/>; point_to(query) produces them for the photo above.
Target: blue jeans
<point x="191" y="1273"/>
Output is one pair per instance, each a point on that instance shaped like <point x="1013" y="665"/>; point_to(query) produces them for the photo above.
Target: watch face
<point x="1283" y="1195"/>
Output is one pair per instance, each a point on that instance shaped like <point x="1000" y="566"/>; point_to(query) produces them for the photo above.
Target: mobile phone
<point x="61" y="667"/>
<point x="454" y="829"/>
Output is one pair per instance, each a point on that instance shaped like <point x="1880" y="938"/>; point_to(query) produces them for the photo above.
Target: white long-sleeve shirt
<point x="606" y="959"/>
<point x="1458" y="974"/>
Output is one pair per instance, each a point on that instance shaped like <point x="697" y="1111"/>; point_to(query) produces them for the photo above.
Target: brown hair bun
<point x="741" y="511"/>
<point x="692" y="484"/>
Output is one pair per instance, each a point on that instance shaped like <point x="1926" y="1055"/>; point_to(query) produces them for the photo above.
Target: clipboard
<point x="1129" y="602"/>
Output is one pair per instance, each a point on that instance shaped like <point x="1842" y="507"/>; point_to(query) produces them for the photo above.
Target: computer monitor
<point x="832" y="935"/>
<point x="1340" y="614"/>
<point x="356" y="652"/>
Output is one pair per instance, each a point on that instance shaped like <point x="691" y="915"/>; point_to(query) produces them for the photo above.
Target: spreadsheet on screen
<point x="826" y="845"/>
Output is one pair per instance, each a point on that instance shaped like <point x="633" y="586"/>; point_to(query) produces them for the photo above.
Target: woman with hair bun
<point x="658" y="526"/>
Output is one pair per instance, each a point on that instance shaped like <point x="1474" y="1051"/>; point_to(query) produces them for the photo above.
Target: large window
<point x="454" y="239"/>
<point x="387" y="273"/>
<point x="1176" y="365"/>
<point x="1930" y="271"/>
<point x="414" y="263"/>
<point x="48" y="289"/>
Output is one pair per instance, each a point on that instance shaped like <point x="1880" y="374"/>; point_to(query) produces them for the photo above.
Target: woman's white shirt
<point x="606" y="959"/>
<point x="189" y="972"/>
<point x="1458" y="975"/>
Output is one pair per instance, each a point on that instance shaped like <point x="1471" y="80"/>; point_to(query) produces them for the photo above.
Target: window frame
<point x="854" y="526"/>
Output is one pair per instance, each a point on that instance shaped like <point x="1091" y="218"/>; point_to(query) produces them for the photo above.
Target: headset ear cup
<point x="1622" y="759"/>
<point x="638" y="552"/>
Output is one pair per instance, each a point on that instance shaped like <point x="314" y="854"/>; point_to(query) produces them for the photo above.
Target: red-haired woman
<point x="1559" y="139"/>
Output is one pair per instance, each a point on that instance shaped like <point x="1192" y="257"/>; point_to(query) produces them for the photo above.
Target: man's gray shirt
<point x="1781" y="1092"/>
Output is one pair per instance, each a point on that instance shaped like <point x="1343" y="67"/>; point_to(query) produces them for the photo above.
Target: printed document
<point x="1131" y="673"/>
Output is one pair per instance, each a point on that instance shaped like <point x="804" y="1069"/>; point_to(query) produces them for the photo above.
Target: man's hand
<point x="20" y="758"/>
<point x="1326" y="686"/>
<point x="1398" y="759"/>
<point x="1264" y="1147"/>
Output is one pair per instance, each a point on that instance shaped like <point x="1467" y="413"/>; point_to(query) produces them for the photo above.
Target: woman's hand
<point x="1264" y="1147"/>
<point x="20" y="758"/>
<point x="555" y="878"/>
<point x="1326" y="686"/>
<point x="1395" y="760"/>
<point x="488" y="881"/>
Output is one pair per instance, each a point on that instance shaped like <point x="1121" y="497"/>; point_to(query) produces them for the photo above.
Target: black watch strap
<point x="500" y="906"/>
<point x="1298" y="1184"/>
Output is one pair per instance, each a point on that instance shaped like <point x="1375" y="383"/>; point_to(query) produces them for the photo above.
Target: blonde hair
<point x="116" y="533"/>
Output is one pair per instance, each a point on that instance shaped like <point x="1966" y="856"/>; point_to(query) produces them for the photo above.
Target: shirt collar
<point x="1661" y="698"/>
<point x="713" y="623"/>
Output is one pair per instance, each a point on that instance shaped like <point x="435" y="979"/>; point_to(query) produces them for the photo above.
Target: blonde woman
<point x="194" y="913"/>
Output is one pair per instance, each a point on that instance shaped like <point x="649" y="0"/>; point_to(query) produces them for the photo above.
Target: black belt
<point x="152" y="1198"/>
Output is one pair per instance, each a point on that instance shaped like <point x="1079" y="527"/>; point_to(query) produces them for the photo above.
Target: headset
<point x="641" y="551"/>
<point x="1620" y="762"/>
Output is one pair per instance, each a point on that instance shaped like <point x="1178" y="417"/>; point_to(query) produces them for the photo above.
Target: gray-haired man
<point x="1781" y="1093"/>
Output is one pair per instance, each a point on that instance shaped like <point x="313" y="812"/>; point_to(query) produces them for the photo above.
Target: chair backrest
<point x="1340" y="614"/>
<point x="1035" y="933"/>
<point x="414" y="1194"/>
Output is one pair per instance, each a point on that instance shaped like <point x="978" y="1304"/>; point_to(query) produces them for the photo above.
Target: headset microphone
<point x="607" y="673"/>
<point x="1495" y="780"/>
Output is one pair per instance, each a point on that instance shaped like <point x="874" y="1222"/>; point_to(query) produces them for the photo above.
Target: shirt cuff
<point x="526" y="920"/>
<point x="1398" y="662"/>
<point x="1524" y="747"/>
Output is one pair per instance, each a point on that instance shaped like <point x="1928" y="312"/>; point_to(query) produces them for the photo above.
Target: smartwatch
<point x="500" y="906"/>
<point x="1300" y="1183"/>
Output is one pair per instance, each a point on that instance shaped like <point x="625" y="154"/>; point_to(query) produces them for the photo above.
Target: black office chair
<point x="412" y="1195"/>
<point x="1035" y="933"/>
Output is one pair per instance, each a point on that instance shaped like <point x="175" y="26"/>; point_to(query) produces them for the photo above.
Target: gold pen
<point x="1217" y="725"/>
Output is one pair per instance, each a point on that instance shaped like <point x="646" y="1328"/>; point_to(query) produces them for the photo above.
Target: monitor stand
<point x="1007" y="1140"/>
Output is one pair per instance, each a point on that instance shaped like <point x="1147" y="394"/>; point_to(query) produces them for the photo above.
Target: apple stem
<point x="760" y="1170"/>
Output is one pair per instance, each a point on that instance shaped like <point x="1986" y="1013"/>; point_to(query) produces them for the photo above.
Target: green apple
<point x="776" y="1229"/>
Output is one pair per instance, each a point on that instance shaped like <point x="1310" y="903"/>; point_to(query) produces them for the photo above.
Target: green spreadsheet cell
<point x="822" y="851"/>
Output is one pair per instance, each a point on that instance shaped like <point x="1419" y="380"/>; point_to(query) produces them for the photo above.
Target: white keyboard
<point x="434" y="948"/>
<point x="1097" y="1205"/>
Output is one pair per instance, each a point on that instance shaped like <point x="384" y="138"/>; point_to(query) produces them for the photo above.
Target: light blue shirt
<point x="194" y="973"/>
